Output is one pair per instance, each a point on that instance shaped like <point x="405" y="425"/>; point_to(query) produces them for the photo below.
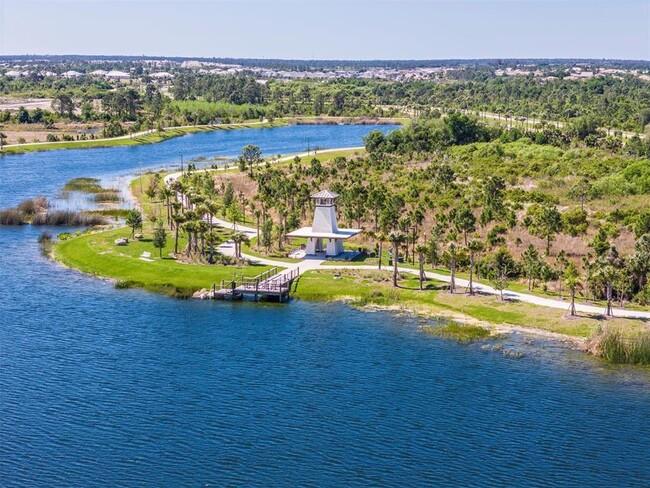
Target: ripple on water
<point x="125" y="388"/>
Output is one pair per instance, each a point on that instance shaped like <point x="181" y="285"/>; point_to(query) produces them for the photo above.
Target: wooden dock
<point x="270" y="284"/>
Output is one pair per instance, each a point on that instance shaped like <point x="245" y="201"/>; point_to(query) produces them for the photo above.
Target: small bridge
<point x="271" y="283"/>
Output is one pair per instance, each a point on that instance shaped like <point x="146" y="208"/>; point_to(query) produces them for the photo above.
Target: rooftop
<point x="309" y="232"/>
<point x="325" y="194"/>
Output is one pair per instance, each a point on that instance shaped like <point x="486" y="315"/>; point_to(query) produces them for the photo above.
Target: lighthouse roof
<point x="325" y="194"/>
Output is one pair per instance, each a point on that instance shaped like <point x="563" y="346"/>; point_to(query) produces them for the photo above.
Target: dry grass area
<point x="38" y="132"/>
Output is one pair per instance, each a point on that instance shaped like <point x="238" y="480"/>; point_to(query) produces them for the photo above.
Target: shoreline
<point x="495" y="329"/>
<point x="153" y="136"/>
<point x="434" y="310"/>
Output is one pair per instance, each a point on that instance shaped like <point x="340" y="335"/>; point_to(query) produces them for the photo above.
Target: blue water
<point x="100" y="387"/>
<point x="45" y="173"/>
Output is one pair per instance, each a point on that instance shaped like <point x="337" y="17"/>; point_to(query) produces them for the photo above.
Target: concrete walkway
<point x="512" y="295"/>
<point x="309" y="264"/>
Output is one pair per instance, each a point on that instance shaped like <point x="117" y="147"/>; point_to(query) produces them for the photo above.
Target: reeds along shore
<point x="625" y="347"/>
<point x="35" y="211"/>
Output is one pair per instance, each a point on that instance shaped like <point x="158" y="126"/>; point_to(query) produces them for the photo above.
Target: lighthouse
<point x="324" y="235"/>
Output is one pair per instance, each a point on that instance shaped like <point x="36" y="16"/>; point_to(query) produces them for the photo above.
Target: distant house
<point x="117" y="75"/>
<point x="98" y="72"/>
<point x="72" y="74"/>
<point x="161" y="75"/>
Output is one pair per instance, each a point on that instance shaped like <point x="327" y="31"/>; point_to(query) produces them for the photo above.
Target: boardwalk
<point x="269" y="284"/>
<point x="309" y="264"/>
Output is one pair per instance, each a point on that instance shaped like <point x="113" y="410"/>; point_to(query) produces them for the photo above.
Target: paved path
<point x="513" y="295"/>
<point x="309" y="264"/>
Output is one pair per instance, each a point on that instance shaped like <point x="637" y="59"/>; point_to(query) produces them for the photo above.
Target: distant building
<point x="161" y="75"/>
<point x="324" y="236"/>
<point x="117" y="75"/>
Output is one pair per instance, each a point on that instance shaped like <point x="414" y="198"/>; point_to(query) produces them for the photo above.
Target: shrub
<point x="643" y="297"/>
<point x="32" y="206"/>
<point x="45" y="237"/>
<point x="126" y="284"/>
<point x="574" y="221"/>
<point x="12" y="216"/>
<point x="463" y="333"/>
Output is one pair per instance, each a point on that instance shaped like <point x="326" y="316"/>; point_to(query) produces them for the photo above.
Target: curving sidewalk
<point x="513" y="295"/>
<point x="310" y="264"/>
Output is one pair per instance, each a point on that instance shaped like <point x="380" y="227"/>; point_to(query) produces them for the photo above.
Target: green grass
<point x="97" y="255"/>
<point x="116" y="213"/>
<point x="215" y="110"/>
<point x="463" y="333"/>
<point x="276" y="256"/>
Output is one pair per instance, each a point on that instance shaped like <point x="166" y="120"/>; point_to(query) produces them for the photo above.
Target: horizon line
<point x="160" y="56"/>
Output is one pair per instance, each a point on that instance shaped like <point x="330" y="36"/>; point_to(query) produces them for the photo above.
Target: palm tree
<point x="572" y="280"/>
<point x="474" y="247"/>
<point x="179" y="219"/>
<point x="201" y="228"/>
<point x="166" y="194"/>
<point x="212" y="208"/>
<point x="562" y="262"/>
<point x="421" y="250"/>
<point x="396" y="237"/>
<point x="608" y="268"/>
<point x="381" y="237"/>
<point x="452" y="255"/>
<point x="212" y="237"/>
<point x="239" y="238"/>
<point x="189" y="226"/>
<point x="134" y="220"/>
<point x="258" y="214"/>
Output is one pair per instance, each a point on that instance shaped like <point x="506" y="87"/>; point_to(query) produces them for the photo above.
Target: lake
<point x="105" y="387"/>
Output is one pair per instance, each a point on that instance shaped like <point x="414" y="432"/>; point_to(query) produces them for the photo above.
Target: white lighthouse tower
<point x="324" y="236"/>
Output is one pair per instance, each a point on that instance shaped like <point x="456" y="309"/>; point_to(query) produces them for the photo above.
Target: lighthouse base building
<point x="324" y="236"/>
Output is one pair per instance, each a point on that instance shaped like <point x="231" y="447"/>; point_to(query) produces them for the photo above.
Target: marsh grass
<point x="109" y="195"/>
<point x="45" y="243"/>
<point x="623" y="346"/>
<point x="32" y="206"/>
<point x="12" y="216"/>
<point x="462" y="333"/>
<point x="84" y="185"/>
<point x="163" y="289"/>
<point x="115" y="213"/>
<point x="68" y="218"/>
<point x="24" y="211"/>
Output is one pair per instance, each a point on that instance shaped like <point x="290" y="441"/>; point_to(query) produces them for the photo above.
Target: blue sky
<point x="329" y="29"/>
